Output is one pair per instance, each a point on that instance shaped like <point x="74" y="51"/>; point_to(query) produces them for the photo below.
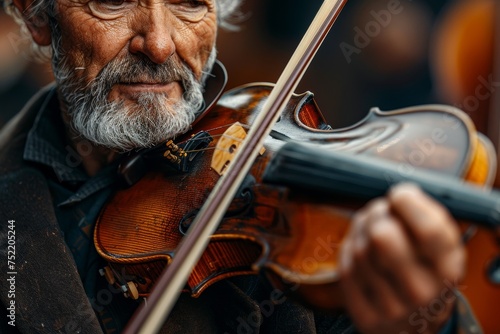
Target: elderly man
<point x="129" y="75"/>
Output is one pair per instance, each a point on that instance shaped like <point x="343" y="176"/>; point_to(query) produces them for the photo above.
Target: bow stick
<point x="149" y="319"/>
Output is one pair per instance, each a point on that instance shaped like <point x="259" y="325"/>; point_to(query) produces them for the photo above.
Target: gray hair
<point x="42" y="12"/>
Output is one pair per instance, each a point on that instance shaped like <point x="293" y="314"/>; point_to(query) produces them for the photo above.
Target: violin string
<point x="245" y="126"/>
<point x="208" y="149"/>
<point x="215" y="148"/>
<point x="209" y="136"/>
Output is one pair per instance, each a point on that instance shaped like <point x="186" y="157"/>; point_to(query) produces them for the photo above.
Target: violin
<point x="263" y="223"/>
<point x="270" y="227"/>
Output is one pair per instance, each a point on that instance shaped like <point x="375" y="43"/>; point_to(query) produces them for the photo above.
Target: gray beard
<point x="148" y="121"/>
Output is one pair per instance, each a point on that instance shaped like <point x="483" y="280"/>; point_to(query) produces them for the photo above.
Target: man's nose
<point x="153" y="37"/>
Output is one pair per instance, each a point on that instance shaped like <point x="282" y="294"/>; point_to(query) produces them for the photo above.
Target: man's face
<point x="139" y="58"/>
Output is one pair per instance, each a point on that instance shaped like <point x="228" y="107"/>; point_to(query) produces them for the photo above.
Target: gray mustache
<point x="141" y="70"/>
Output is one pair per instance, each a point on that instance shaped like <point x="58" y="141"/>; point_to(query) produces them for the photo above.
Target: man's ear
<point x="38" y="27"/>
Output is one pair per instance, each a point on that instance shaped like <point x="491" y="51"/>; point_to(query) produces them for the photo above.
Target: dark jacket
<point x="47" y="291"/>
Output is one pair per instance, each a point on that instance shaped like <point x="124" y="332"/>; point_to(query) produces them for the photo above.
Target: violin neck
<point x="363" y="178"/>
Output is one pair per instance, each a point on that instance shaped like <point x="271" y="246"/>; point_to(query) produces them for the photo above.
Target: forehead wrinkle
<point x="72" y="3"/>
<point x="149" y="3"/>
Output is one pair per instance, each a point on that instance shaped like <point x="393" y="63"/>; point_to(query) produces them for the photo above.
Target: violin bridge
<point x="227" y="146"/>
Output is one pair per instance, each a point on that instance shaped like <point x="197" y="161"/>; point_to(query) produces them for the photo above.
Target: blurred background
<point x="385" y="65"/>
<point x="20" y="75"/>
<point x="384" y="53"/>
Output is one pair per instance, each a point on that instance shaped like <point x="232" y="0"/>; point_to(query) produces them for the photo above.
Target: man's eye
<point x="190" y="10"/>
<point x="110" y="3"/>
<point x="110" y="9"/>
<point x="194" y="3"/>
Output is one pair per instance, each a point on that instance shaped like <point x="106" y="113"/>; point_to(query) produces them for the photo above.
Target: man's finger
<point x="357" y="296"/>
<point x="434" y="231"/>
<point x="392" y="255"/>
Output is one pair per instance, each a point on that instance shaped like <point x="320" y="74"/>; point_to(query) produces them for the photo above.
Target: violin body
<point x="288" y="235"/>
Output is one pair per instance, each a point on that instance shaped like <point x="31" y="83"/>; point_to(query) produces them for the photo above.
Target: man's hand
<point x="399" y="263"/>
